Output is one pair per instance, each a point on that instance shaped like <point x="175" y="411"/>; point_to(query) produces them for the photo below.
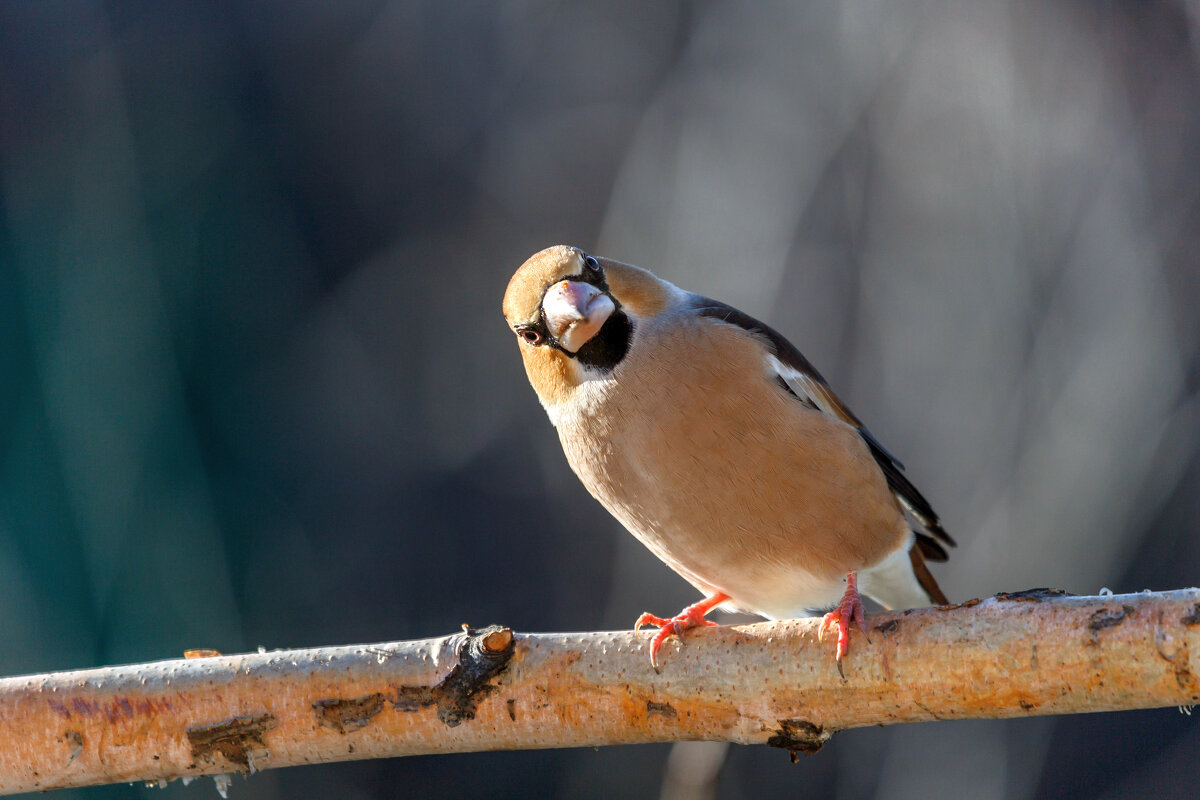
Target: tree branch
<point x="1013" y="655"/>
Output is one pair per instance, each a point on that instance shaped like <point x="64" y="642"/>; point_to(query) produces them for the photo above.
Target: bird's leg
<point x="690" y="617"/>
<point x="848" y="612"/>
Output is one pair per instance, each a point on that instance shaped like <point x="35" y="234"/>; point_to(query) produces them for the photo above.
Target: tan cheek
<point x="549" y="373"/>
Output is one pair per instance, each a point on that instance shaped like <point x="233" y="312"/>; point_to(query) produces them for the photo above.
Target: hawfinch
<point x="720" y="447"/>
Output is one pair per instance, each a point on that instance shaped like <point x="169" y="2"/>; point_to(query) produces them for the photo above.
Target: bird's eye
<point x="592" y="265"/>
<point x="530" y="335"/>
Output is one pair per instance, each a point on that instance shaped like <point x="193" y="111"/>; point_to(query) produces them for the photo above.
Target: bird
<point x="719" y="446"/>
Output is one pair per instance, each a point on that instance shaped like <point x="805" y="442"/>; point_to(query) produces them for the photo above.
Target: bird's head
<point x="571" y="313"/>
<point x="559" y="299"/>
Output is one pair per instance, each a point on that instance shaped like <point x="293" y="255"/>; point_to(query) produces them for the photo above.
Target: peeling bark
<point x="1021" y="654"/>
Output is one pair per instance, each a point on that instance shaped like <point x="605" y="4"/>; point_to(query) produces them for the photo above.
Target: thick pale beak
<point x="575" y="312"/>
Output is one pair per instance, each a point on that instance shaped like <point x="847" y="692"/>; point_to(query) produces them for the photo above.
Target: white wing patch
<point x="801" y="384"/>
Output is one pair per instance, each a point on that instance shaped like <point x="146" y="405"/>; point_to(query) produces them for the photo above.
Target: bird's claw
<point x="848" y="613"/>
<point x="690" y="617"/>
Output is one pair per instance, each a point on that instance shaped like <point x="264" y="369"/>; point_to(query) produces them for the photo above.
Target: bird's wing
<point x="800" y="379"/>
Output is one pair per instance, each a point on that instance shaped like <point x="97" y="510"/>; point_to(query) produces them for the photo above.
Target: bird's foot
<point x="690" y="617"/>
<point x="848" y="612"/>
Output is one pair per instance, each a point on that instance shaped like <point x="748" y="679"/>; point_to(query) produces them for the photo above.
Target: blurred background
<point x="255" y="387"/>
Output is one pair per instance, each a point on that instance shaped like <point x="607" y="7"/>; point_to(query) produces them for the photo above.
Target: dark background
<point x="255" y="388"/>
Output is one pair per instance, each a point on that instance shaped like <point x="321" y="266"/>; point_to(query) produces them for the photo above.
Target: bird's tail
<point x="925" y="577"/>
<point x="902" y="581"/>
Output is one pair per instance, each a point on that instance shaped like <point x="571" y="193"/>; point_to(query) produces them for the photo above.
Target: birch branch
<point x="1024" y="654"/>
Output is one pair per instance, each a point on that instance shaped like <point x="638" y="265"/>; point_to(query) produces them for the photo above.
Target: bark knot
<point x="799" y="736"/>
<point x="482" y="655"/>
<point x="236" y="739"/>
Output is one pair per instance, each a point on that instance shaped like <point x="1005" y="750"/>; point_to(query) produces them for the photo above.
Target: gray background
<point x="255" y="388"/>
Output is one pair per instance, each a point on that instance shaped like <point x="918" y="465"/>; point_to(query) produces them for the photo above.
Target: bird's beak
<point x="575" y="312"/>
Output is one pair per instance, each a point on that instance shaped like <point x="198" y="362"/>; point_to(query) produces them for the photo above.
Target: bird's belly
<point x="744" y="562"/>
<point x="737" y="508"/>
